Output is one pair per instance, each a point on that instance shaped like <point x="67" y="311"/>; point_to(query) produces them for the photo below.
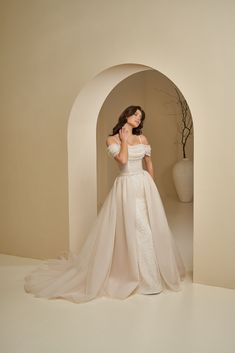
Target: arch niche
<point x="82" y="154"/>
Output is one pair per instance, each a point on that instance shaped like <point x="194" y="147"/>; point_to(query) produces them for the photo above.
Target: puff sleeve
<point x="113" y="149"/>
<point x="148" y="150"/>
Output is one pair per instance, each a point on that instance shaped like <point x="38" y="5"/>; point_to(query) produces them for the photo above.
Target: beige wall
<point x="51" y="49"/>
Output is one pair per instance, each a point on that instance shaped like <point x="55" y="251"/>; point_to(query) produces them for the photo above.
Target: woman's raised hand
<point x="123" y="134"/>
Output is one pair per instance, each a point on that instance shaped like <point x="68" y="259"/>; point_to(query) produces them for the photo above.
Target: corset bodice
<point x="136" y="154"/>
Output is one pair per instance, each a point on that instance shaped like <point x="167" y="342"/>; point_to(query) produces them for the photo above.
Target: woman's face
<point x="135" y="119"/>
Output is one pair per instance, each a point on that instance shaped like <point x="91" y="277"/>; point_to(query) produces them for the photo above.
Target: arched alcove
<point x="156" y="93"/>
<point x="82" y="148"/>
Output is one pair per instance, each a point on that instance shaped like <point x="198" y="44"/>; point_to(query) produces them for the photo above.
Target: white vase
<point x="182" y="173"/>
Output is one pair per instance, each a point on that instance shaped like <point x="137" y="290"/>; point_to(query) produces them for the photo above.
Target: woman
<point x="129" y="248"/>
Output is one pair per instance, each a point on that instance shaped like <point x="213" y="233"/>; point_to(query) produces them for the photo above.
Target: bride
<point x="129" y="248"/>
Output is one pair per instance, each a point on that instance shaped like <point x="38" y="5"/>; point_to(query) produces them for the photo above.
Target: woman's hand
<point x="123" y="134"/>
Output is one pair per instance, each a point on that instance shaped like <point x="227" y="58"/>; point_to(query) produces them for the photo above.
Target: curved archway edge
<point x="82" y="169"/>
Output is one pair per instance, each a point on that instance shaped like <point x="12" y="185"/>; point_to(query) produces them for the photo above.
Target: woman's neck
<point x="129" y="128"/>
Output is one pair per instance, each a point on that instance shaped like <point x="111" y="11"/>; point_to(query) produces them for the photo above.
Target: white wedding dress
<point x="129" y="248"/>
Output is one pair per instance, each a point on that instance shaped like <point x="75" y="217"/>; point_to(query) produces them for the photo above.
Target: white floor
<point x="199" y="319"/>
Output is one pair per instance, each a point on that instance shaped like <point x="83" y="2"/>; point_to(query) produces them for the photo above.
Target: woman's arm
<point x="147" y="159"/>
<point x="122" y="156"/>
<point x="149" y="165"/>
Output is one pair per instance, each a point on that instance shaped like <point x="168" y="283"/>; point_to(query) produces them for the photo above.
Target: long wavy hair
<point x="129" y="111"/>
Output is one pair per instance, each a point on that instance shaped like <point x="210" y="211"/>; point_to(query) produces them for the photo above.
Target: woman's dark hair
<point x="123" y="119"/>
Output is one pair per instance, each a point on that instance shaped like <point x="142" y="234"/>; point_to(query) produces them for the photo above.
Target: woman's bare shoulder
<point x="144" y="139"/>
<point x="112" y="139"/>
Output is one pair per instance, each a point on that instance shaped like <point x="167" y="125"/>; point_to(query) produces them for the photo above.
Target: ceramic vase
<point x="182" y="173"/>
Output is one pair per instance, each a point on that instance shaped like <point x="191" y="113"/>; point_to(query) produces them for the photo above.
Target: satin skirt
<point x="129" y="249"/>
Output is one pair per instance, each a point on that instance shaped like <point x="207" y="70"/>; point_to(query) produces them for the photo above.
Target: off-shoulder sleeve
<point x="113" y="149"/>
<point x="148" y="150"/>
